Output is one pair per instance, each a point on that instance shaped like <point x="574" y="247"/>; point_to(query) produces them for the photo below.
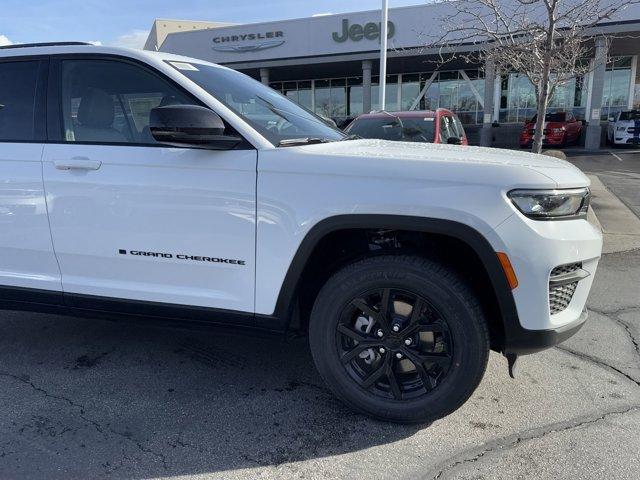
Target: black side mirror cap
<point x="190" y="125"/>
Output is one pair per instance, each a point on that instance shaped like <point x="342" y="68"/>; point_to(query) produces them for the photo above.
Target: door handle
<point x="77" y="163"/>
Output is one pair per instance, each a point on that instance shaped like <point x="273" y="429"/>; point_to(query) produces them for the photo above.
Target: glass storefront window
<point x="354" y="94"/>
<point x="617" y="86"/>
<point x="343" y="97"/>
<point x="339" y="97"/>
<point x="448" y="82"/>
<point x="304" y="94"/>
<point x="430" y="101"/>
<point x="290" y="89"/>
<point x="323" y="98"/>
<point x="391" y="93"/>
<point x="409" y="90"/>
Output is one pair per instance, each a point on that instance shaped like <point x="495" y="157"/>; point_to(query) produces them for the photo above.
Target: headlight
<point x="551" y="204"/>
<point x="621" y="129"/>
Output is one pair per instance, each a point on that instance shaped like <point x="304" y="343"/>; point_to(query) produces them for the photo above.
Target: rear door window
<point x="19" y="114"/>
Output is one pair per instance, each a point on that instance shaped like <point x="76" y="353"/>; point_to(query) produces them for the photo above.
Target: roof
<point x="62" y="48"/>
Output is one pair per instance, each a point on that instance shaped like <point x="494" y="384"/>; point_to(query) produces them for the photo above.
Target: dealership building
<point x="330" y="63"/>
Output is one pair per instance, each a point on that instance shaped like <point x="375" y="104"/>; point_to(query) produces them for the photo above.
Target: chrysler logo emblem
<point x="258" y="41"/>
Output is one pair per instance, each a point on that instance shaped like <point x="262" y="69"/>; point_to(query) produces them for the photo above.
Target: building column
<point x="487" y="120"/>
<point x="366" y="86"/>
<point x="264" y="76"/>
<point x="594" y="131"/>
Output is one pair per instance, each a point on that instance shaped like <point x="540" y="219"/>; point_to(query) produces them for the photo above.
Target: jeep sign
<point x="356" y="32"/>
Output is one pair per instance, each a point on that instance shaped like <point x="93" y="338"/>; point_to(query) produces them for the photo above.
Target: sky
<point x="127" y="22"/>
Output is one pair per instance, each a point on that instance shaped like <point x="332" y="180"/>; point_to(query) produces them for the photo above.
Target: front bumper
<point x="522" y="341"/>
<point x="625" y="139"/>
<point x="526" y="141"/>
<point x="535" y="249"/>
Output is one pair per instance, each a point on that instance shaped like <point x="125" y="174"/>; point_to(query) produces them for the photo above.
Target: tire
<point x="449" y="318"/>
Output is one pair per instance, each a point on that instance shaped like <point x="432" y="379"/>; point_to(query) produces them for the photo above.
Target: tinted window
<point x="110" y="101"/>
<point x="631" y="115"/>
<point x="18" y="85"/>
<point x="406" y="129"/>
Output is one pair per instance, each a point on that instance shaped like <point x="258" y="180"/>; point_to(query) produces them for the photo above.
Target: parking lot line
<point x="616" y="156"/>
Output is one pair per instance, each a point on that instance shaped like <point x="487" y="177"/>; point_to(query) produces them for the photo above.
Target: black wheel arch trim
<point x="474" y="239"/>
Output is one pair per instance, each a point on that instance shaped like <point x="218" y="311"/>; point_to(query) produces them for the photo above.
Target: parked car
<point x="439" y="126"/>
<point x="219" y="200"/>
<point x="624" y="128"/>
<point x="560" y="129"/>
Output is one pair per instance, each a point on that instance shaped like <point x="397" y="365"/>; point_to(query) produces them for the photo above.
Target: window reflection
<point x="341" y="98"/>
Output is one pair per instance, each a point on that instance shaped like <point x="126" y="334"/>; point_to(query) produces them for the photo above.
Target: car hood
<point x="468" y="158"/>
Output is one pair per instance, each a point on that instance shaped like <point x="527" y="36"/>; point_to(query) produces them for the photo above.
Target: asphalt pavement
<point x="90" y="399"/>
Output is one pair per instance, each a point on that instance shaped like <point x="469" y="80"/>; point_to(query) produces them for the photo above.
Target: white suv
<point x="143" y="184"/>
<point x="624" y="128"/>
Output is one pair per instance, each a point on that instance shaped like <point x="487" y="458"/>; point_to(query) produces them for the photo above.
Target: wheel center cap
<point x="394" y="342"/>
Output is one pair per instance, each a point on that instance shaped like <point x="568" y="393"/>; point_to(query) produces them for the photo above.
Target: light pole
<point x="383" y="54"/>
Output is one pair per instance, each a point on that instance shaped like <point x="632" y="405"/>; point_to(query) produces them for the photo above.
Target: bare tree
<point x="549" y="41"/>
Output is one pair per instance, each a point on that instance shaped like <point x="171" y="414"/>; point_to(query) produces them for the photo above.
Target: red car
<point x="560" y="129"/>
<point x="439" y="126"/>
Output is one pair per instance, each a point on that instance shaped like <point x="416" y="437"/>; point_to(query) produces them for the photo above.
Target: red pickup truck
<point x="560" y="129"/>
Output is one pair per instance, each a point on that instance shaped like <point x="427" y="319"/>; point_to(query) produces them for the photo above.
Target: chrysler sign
<point x="248" y="42"/>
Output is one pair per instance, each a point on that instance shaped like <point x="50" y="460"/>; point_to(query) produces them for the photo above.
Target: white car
<point x="137" y="183"/>
<point x="624" y="128"/>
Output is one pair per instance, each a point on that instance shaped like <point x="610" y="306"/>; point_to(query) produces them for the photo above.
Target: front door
<point x="132" y="219"/>
<point x="27" y="260"/>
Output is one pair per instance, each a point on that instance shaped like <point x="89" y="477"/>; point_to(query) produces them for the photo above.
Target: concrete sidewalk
<point x="621" y="227"/>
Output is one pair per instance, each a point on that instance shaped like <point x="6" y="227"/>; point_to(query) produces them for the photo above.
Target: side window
<point x="458" y="127"/>
<point x="446" y="129"/>
<point x="18" y="86"/>
<point x="110" y="101"/>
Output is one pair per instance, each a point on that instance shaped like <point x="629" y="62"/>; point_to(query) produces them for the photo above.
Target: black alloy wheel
<point x="394" y="343"/>
<point x="400" y="338"/>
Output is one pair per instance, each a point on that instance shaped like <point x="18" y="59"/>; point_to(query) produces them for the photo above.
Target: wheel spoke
<point x="430" y="328"/>
<point x="358" y="337"/>
<point x="354" y="352"/>
<point x="368" y="310"/>
<point x="385" y="304"/>
<point x="441" y="359"/>
<point x="393" y="381"/>
<point x="416" y="311"/>
<point x="374" y="376"/>
<point x="427" y="381"/>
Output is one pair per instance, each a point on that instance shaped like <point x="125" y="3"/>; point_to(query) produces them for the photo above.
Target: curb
<point x="619" y="225"/>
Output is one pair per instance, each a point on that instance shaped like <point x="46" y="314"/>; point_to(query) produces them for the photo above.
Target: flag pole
<point x="383" y="54"/>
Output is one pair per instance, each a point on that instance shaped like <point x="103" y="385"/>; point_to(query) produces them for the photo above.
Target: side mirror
<point x="191" y="125"/>
<point x="454" y="141"/>
<point x="611" y="119"/>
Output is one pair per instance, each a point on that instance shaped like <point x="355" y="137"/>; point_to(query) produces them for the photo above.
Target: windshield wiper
<point x="291" y="142"/>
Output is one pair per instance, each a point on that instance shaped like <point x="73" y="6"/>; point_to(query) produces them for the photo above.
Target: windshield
<point x="408" y="129"/>
<point x="631" y="115"/>
<point x="552" y="117"/>
<point x="273" y="115"/>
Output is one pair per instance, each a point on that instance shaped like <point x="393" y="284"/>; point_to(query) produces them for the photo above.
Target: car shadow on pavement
<point x="93" y="399"/>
